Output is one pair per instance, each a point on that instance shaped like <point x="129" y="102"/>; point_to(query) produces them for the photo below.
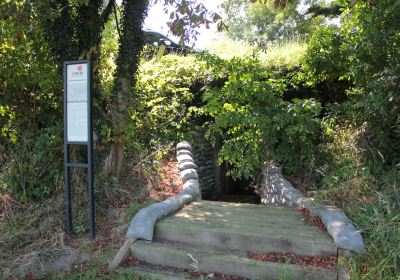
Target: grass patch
<point x="380" y="224"/>
<point x="227" y="48"/>
<point x="282" y="54"/>
<point x="30" y="229"/>
<point x="369" y="192"/>
<point x="95" y="273"/>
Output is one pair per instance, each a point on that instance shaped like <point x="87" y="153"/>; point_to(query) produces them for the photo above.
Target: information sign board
<point x="77" y="102"/>
<point x="78" y="131"/>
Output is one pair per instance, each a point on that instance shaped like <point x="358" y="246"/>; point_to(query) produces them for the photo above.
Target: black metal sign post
<point x="78" y="131"/>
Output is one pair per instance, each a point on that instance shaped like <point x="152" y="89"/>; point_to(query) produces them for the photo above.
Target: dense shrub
<point x="364" y="50"/>
<point x="240" y="100"/>
<point x="169" y="96"/>
<point x="254" y="121"/>
<point x="30" y="109"/>
<point x="362" y="136"/>
<point x="34" y="166"/>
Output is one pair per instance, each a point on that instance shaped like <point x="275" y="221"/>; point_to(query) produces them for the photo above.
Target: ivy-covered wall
<point x="256" y="112"/>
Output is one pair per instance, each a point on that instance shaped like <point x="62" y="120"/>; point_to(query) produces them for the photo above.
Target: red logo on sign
<point x="79" y="68"/>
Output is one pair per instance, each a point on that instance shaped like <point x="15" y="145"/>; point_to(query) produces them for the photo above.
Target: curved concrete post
<point x="275" y="189"/>
<point x="142" y="225"/>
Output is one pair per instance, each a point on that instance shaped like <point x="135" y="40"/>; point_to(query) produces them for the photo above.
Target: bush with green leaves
<point x="169" y="96"/>
<point x="238" y="99"/>
<point x="255" y="123"/>
<point x="326" y="58"/>
<point x="364" y="50"/>
<point x="30" y="110"/>
<point x="35" y="164"/>
<point x="376" y="68"/>
<point x="363" y="139"/>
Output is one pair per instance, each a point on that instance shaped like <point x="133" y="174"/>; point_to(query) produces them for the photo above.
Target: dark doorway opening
<point x="230" y="190"/>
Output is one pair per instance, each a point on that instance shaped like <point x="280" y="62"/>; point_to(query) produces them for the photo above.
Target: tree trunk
<point x="131" y="45"/>
<point x="114" y="161"/>
<point x="76" y="30"/>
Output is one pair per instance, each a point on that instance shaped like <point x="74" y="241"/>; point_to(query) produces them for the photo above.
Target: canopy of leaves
<point x="263" y="22"/>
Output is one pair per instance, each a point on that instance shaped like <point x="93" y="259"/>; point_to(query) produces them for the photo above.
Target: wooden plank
<point x="234" y="206"/>
<point x="246" y="219"/>
<point x="243" y="216"/>
<point x="283" y="234"/>
<point x="244" y="211"/>
<point x="237" y="240"/>
<point x="250" y="221"/>
<point x="288" y="232"/>
<point x="240" y="215"/>
<point x="290" y="222"/>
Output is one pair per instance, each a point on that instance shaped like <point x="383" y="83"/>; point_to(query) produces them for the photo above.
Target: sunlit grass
<point x="288" y="53"/>
<point x="227" y="48"/>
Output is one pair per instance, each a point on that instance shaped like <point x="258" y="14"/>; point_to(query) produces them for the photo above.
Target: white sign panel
<point x="77" y="102"/>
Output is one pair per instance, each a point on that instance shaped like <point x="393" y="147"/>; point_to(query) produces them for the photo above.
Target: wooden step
<point x="221" y="261"/>
<point x="243" y="212"/>
<point x="287" y="232"/>
<point x="244" y="241"/>
<point x="249" y="216"/>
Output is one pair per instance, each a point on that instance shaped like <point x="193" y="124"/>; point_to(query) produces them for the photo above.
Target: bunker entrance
<point x="213" y="178"/>
<point x="230" y="190"/>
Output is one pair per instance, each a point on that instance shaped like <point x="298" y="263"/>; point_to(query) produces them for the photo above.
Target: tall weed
<point x="369" y="192"/>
